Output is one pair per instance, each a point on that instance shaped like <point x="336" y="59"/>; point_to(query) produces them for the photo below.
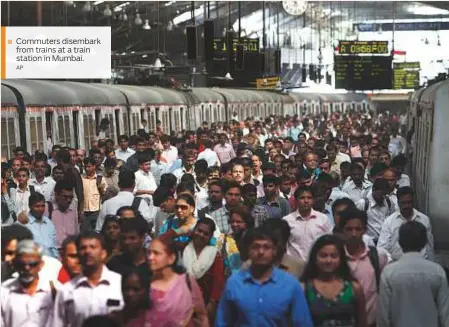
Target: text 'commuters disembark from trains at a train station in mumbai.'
<point x="56" y="52"/>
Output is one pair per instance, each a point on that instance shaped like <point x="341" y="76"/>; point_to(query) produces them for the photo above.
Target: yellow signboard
<point x="267" y="83"/>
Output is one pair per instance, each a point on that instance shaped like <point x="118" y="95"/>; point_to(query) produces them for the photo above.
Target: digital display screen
<point x="406" y="75"/>
<point x="363" y="47"/>
<point x="363" y="72"/>
<point x="249" y="45"/>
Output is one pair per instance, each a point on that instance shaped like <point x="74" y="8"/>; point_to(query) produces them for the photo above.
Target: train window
<point x="202" y="113"/>
<point x="64" y="131"/>
<point x="8" y="137"/>
<point x="111" y="131"/>
<point x="89" y="130"/>
<point x="37" y="141"/>
<point x="125" y="122"/>
<point x="152" y="120"/>
<point x="207" y="115"/>
<point x="135" y="121"/>
<point x="177" y="126"/>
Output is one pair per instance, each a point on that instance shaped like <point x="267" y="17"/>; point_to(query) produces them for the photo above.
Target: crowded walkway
<point x="274" y="221"/>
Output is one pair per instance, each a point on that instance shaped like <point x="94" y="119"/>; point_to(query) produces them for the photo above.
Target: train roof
<point x="43" y="93"/>
<point x="8" y="97"/>
<point x="305" y="96"/>
<point x="138" y="95"/>
<point x="204" y="94"/>
<point x="96" y="93"/>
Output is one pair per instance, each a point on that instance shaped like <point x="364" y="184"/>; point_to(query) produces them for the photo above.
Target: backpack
<point x="367" y="203"/>
<point x="50" y="209"/>
<point x="374" y="259"/>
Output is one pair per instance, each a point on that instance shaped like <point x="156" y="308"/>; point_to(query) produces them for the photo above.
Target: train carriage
<point x="429" y="109"/>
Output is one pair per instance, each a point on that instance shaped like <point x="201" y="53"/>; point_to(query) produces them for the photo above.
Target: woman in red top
<point x="205" y="264"/>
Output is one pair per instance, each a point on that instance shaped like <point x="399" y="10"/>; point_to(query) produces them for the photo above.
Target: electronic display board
<point x="249" y="45"/>
<point x="406" y="75"/>
<point x="363" y="47"/>
<point x="363" y="72"/>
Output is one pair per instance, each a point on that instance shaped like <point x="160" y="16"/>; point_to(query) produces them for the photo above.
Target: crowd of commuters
<point x="275" y="222"/>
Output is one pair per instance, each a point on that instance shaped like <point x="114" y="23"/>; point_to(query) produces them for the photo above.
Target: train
<point x="428" y="113"/>
<point x="70" y="112"/>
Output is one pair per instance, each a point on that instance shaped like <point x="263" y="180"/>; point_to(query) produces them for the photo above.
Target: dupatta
<point x="174" y="308"/>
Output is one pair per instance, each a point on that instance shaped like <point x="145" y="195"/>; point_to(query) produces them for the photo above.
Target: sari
<point x="176" y="306"/>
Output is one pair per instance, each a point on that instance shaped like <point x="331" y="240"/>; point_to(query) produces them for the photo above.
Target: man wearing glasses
<point x="27" y="299"/>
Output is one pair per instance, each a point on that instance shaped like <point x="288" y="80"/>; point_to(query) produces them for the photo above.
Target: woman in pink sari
<point x="176" y="299"/>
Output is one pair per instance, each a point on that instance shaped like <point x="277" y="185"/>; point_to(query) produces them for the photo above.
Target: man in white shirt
<point x="389" y="235"/>
<point x="97" y="291"/>
<point x="27" y="300"/>
<point x="170" y="153"/>
<point x="127" y="183"/>
<point x="209" y="155"/>
<point x="124" y="152"/>
<point x="187" y="167"/>
<point x="145" y="182"/>
<point x="357" y="187"/>
<point x="42" y="184"/>
<point x="377" y="206"/>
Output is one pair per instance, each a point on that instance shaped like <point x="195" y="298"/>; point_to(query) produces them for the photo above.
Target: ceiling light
<point x="107" y="11"/>
<point x="144" y="56"/>
<point x="146" y="26"/>
<point x="96" y="3"/>
<point x="87" y="7"/>
<point x="158" y="63"/>
<point x="138" y="20"/>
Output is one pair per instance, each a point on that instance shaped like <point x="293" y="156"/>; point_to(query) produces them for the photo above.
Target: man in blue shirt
<point x="263" y="295"/>
<point x="43" y="229"/>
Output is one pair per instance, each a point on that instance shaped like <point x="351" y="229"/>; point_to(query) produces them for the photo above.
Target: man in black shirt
<point x="132" y="238"/>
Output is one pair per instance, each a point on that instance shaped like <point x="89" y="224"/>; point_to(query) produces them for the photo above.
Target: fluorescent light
<point x="96" y="3"/>
<point x="425" y="10"/>
<point x="187" y="15"/>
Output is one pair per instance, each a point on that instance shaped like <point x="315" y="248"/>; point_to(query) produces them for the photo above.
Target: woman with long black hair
<point x="334" y="297"/>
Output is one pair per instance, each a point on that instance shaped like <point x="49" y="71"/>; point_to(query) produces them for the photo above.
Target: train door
<point x="165" y="120"/>
<point x="125" y="123"/>
<point x="63" y="127"/>
<point x="152" y="119"/>
<point x="111" y="132"/>
<point x="135" y="119"/>
<point x="9" y="133"/>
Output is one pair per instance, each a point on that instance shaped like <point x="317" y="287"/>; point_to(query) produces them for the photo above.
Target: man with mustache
<point x="27" y="299"/>
<point x="96" y="291"/>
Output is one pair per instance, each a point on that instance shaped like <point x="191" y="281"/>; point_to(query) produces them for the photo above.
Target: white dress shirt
<point x="376" y="214"/>
<point x="20" y="309"/>
<point x="181" y="172"/>
<point x="404" y="181"/>
<point x="356" y="193"/>
<point x="123" y="198"/>
<point x="335" y="195"/>
<point x="20" y="199"/>
<point x="210" y="156"/>
<point x="170" y="155"/>
<point x="124" y="155"/>
<point x="45" y="188"/>
<point x="389" y="235"/>
<point x="78" y="300"/>
<point x="144" y="182"/>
